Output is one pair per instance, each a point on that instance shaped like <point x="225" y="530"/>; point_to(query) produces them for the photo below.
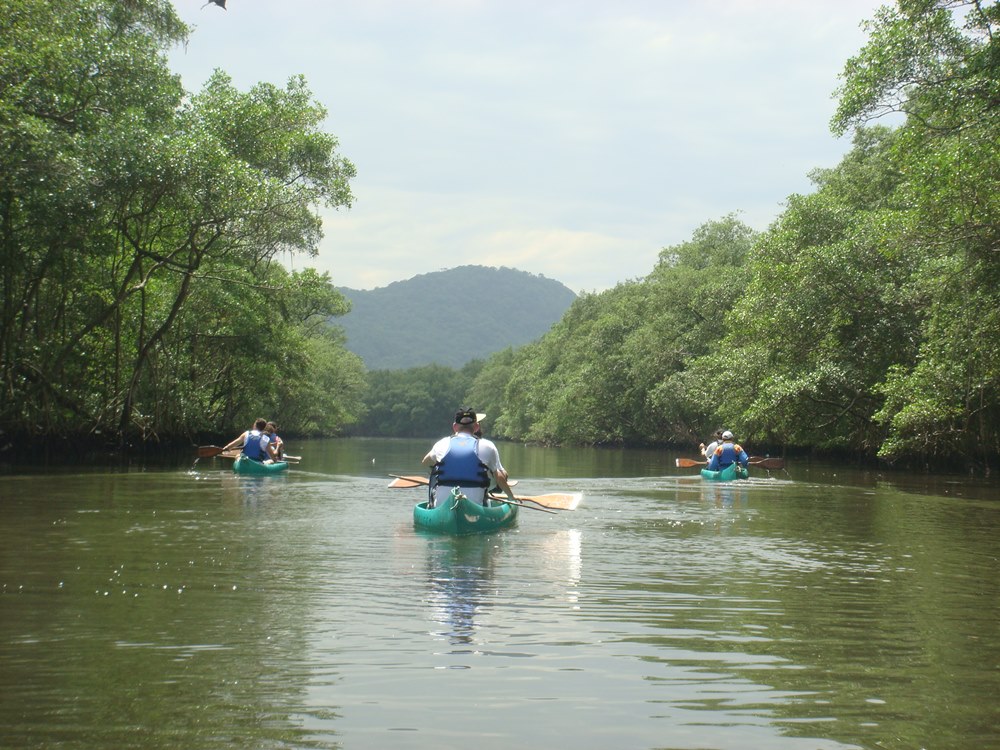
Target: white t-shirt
<point x="488" y="454"/>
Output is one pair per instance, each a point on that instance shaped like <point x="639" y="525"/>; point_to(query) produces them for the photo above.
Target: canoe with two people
<point x="260" y="450"/>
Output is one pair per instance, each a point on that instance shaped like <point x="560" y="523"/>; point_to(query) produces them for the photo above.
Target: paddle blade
<point x="555" y="500"/>
<point x="207" y="451"/>
<point x="400" y="483"/>
<point x="407" y="481"/>
<point x="687" y="463"/>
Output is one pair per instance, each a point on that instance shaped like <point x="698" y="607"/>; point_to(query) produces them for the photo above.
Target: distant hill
<point x="421" y="321"/>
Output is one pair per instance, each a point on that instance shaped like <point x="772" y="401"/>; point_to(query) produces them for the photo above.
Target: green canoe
<point x="459" y="515"/>
<point x="731" y="472"/>
<point x="244" y="465"/>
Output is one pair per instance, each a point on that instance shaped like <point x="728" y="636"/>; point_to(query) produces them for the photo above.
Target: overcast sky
<point x="569" y="138"/>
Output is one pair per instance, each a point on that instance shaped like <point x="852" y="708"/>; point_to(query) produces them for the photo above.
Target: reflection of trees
<point x="150" y="621"/>
<point x="866" y="618"/>
<point x="248" y="491"/>
<point x="895" y="636"/>
<point x="460" y="572"/>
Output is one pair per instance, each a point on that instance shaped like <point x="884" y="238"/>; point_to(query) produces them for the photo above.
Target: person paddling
<point x="271" y="430"/>
<point x="708" y="451"/>
<point x="465" y="461"/>
<point x="727" y="453"/>
<point x="478" y="432"/>
<point x="255" y="443"/>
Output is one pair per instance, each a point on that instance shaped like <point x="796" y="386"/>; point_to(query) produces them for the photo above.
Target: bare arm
<point x="501" y="476"/>
<point x="237" y="443"/>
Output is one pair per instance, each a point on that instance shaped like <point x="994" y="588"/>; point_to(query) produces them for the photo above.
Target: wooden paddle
<point x="405" y="482"/>
<point x="764" y="463"/>
<point x="553" y="500"/>
<point x="401" y="483"/>
<point x="767" y="463"/>
<point x="687" y="463"/>
<point x="207" y="451"/>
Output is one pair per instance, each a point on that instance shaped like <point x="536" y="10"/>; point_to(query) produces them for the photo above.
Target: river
<point x="180" y="606"/>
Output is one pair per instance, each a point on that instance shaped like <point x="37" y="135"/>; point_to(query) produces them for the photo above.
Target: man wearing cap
<point x="463" y="460"/>
<point x="727" y="453"/>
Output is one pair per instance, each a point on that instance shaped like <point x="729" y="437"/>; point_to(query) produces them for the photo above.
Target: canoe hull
<point x="731" y="472"/>
<point x="244" y="465"/>
<point x="462" y="516"/>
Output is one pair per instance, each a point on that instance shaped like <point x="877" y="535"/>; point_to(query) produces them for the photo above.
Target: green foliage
<point x="822" y="318"/>
<point x="948" y="402"/>
<point x="941" y="403"/>
<point x="138" y="232"/>
<point x="140" y="295"/>
<point x="608" y="372"/>
<point x="864" y="319"/>
<point x="860" y="320"/>
<point x="418" y="402"/>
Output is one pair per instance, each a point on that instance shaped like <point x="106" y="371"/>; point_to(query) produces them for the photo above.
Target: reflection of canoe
<point x="243" y="465"/>
<point x="731" y="472"/>
<point x="462" y="516"/>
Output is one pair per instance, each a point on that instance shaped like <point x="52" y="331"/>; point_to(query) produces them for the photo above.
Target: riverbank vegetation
<point x="140" y="229"/>
<point x="864" y="320"/>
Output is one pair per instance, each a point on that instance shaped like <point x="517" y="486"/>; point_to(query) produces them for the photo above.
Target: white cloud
<point x="571" y="139"/>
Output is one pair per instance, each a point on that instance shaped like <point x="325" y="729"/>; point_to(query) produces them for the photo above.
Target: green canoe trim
<point x="731" y="472"/>
<point x="462" y="516"/>
<point x="244" y="465"/>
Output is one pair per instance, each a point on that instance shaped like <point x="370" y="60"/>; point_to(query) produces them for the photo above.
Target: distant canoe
<point x="244" y="465"/>
<point x="462" y="516"/>
<point x="731" y="472"/>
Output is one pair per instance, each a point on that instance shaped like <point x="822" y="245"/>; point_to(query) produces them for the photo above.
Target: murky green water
<point x="815" y="608"/>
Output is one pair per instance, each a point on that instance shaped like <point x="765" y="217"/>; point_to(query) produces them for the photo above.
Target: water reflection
<point x="561" y="553"/>
<point x="204" y="609"/>
<point x="460" y="583"/>
<point x="251" y="491"/>
<point x="725" y="494"/>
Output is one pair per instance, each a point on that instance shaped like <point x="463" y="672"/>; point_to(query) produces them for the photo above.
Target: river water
<point x="819" y="607"/>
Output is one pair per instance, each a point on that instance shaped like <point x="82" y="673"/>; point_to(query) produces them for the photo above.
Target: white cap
<point x="727" y="435"/>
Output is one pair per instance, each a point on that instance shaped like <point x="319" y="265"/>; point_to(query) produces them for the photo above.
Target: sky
<point x="574" y="139"/>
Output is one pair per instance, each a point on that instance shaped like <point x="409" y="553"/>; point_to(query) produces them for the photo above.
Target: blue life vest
<point x="255" y="446"/>
<point x="726" y="454"/>
<point x="461" y="466"/>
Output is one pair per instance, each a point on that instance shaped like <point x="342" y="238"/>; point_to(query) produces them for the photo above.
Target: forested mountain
<point x="451" y="317"/>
